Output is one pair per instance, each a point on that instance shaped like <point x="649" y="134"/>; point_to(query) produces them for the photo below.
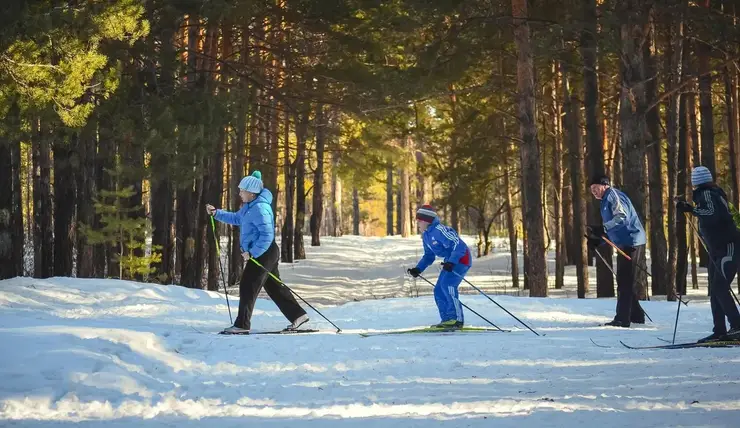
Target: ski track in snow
<point x="118" y="353"/>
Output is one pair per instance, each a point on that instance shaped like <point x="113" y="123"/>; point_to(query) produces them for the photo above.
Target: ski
<point x="252" y="333"/>
<point x="428" y="330"/>
<point x="689" y="345"/>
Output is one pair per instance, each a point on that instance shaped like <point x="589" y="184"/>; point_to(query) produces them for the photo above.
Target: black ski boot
<point x="714" y="337"/>
<point x="617" y="323"/>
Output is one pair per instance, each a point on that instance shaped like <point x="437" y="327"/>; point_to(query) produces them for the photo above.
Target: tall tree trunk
<point x="389" y="199"/>
<point x="705" y="108"/>
<point x="696" y="154"/>
<point x="404" y="190"/>
<point x="682" y="186"/>
<point x="336" y="194"/>
<point x="17" y="212"/>
<point x="731" y="116"/>
<point x="214" y="182"/>
<point x="64" y="206"/>
<point x="286" y="243"/>
<point x="355" y="212"/>
<point x="635" y="16"/>
<point x="673" y="113"/>
<point x="87" y="148"/>
<point x="510" y="225"/>
<point x="399" y="206"/>
<point x="557" y="180"/>
<point x="104" y="263"/>
<point x="571" y="124"/>
<point x="11" y="208"/>
<point x="300" y="187"/>
<point x="658" y="245"/>
<point x="595" y="160"/>
<point x="7" y="235"/>
<point x="535" y="266"/>
<point x="43" y="241"/>
<point x="317" y="210"/>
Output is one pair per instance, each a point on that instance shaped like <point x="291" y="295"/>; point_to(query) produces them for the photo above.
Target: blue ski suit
<point x="442" y="241"/>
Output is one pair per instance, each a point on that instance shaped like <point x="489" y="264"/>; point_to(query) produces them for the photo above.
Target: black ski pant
<point x="254" y="278"/>
<point x="628" y="306"/>
<point x="722" y="270"/>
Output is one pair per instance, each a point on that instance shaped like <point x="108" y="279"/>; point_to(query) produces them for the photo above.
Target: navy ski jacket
<point x="716" y="225"/>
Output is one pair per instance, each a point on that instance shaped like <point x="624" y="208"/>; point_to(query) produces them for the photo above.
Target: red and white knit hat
<point x="426" y="213"/>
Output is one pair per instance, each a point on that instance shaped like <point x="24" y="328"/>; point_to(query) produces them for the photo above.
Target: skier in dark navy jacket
<point x="442" y="241"/>
<point x="257" y="239"/>
<point x="622" y="226"/>
<point x="722" y="237"/>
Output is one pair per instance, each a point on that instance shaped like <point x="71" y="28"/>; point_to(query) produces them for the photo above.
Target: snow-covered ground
<point x="116" y="353"/>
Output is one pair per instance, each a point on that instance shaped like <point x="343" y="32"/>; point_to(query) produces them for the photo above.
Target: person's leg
<point x="722" y="302"/>
<point x="637" y="314"/>
<point x="249" y="288"/>
<point x="278" y="292"/>
<point x="625" y="282"/>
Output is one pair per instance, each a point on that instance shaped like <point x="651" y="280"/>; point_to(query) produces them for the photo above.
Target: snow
<point x="104" y="352"/>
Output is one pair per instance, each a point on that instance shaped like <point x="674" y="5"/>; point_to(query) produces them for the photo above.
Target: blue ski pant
<point x="446" y="294"/>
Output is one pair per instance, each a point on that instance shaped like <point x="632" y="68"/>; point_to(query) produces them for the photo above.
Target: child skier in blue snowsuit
<point x="442" y="241"/>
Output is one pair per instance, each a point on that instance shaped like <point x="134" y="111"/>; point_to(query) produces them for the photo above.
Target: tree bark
<point x="571" y="124"/>
<point x="731" y="117"/>
<point x="634" y="17"/>
<point x="389" y="199"/>
<point x="673" y="113"/>
<point x="511" y="227"/>
<point x="87" y="148"/>
<point x="682" y="186"/>
<point x="286" y="243"/>
<point x="300" y="187"/>
<point x="355" y="212"/>
<point x="43" y="240"/>
<point x="336" y="195"/>
<point x="658" y="245"/>
<point x="404" y="197"/>
<point x="214" y="183"/>
<point x="557" y="180"/>
<point x="535" y="266"/>
<point x="317" y="211"/>
<point x="64" y="206"/>
<point x="706" y="108"/>
<point x="7" y="237"/>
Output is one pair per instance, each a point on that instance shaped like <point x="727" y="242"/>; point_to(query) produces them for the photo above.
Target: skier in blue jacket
<point x="442" y="241"/>
<point x="257" y="239"/>
<point x="622" y="226"/>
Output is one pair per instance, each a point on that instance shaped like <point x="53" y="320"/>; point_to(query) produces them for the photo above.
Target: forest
<point x="121" y="119"/>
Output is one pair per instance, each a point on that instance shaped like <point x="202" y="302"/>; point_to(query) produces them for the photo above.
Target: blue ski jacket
<point x="442" y="241"/>
<point x="256" y="223"/>
<point x="622" y="225"/>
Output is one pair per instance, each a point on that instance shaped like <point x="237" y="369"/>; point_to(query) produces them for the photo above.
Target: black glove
<point x="595" y="232"/>
<point x="593" y="242"/>
<point x="448" y="266"/>
<point x="414" y="272"/>
<point x="684" y="207"/>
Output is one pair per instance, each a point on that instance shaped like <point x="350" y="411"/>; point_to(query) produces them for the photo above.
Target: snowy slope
<point x="115" y="353"/>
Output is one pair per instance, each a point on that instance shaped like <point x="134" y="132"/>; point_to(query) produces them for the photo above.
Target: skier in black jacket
<point x="721" y="237"/>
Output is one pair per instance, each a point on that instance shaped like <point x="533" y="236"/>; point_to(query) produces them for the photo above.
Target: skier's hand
<point x="448" y="266"/>
<point x="684" y="207"/>
<point x="210" y="209"/>
<point x="415" y="272"/>
<point x="593" y="242"/>
<point x="246" y="256"/>
<point x="595" y="232"/>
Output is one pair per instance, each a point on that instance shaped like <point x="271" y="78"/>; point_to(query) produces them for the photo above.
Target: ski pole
<point x="466" y="306"/>
<point x="608" y="266"/>
<point x="691" y="222"/>
<point x="497" y="304"/>
<point x="675" y="325"/>
<point x="218" y="255"/>
<point x="296" y="294"/>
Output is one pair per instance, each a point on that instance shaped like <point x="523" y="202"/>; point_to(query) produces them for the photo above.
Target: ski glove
<point x="414" y="272"/>
<point x="684" y="207"/>
<point x="595" y="232"/>
<point x="593" y="242"/>
<point x="448" y="266"/>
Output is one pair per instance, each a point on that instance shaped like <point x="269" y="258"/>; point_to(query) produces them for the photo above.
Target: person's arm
<point x="619" y="213"/>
